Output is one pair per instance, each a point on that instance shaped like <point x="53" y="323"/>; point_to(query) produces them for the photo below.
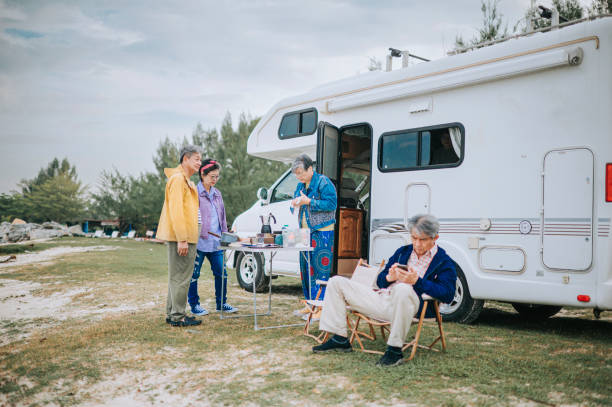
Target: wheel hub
<point x="247" y="269"/>
<point x="456" y="302"/>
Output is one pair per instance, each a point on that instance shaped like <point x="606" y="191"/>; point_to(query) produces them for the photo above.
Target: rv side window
<point x="400" y="150"/>
<point x="297" y="124"/>
<point x="285" y="189"/>
<point x="430" y="147"/>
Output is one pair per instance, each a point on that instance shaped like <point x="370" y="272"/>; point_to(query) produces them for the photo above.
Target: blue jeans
<point x="218" y="268"/>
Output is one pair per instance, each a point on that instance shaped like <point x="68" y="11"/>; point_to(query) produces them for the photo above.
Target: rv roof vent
<point x="421" y="105"/>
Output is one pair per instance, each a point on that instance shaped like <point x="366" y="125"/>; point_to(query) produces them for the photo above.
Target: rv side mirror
<point x="262" y="193"/>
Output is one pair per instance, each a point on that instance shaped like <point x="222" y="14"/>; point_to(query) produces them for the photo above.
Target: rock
<point x="47" y="233"/>
<point x="19" y="232"/>
<point x="18" y="221"/>
<point x="76" y="230"/>
<point x="54" y="225"/>
<point x="4" y="229"/>
<point x="13" y="233"/>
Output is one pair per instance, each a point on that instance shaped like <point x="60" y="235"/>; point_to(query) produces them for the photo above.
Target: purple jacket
<point x="205" y="208"/>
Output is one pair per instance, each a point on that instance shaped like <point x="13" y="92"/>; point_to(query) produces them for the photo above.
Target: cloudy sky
<point x="102" y="82"/>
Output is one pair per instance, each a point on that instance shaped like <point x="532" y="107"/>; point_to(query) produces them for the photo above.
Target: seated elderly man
<point x="429" y="271"/>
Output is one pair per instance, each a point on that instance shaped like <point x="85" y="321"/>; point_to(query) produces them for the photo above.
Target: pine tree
<point x="242" y="174"/>
<point x="59" y="198"/>
<point x="493" y="26"/>
<point x="599" y="7"/>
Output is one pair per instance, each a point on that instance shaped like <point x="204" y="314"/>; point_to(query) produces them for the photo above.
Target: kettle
<point x="265" y="223"/>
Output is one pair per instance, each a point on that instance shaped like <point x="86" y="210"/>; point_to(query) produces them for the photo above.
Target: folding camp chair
<point x="385" y="327"/>
<point x="363" y="274"/>
<point x="313" y="307"/>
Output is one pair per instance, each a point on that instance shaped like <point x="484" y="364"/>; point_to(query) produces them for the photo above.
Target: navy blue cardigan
<point x="439" y="280"/>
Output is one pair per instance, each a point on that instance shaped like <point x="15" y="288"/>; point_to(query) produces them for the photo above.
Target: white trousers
<point x="397" y="305"/>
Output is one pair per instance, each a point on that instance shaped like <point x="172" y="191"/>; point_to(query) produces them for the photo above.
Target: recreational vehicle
<point x="509" y="145"/>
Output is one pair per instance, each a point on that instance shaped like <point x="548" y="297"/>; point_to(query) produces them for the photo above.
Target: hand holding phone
<point x="407" y="274"/>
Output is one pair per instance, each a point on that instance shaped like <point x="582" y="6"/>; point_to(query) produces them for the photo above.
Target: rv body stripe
<point x="468" y="226"/>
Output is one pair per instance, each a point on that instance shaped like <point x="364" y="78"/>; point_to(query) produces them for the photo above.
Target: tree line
<point x="56" y="194"/>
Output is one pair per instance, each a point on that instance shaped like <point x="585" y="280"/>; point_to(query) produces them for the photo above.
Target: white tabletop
<point x="255" y="248"/>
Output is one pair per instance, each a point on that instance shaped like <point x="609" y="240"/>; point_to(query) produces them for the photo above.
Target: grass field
<point x="88" y="328"/>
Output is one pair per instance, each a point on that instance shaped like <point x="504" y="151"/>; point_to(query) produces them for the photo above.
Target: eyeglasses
<point x="215" y="177"/>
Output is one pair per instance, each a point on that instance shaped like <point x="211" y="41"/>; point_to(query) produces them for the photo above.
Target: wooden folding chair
<point x="384" y="326"/>
<point x="363" y="273"/>
<point x="315" y="306"/>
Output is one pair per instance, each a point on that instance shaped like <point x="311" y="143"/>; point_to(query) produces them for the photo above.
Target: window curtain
<point x="455" y="136"/>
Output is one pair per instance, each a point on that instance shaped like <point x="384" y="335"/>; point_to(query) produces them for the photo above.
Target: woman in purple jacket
<point x="212" y="215"/>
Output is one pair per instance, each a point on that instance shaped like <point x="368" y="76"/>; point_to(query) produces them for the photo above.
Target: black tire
<point x="535" y="312"/>
<point x="250" y="266"/>
<point x="463" y="308"/>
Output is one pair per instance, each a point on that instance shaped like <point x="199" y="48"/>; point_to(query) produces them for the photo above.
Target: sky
<point x="103" y="82"/>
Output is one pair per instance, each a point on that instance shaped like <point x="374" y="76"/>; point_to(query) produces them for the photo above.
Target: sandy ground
<point x="18" y="304"/>
<point x="46" y="256"/>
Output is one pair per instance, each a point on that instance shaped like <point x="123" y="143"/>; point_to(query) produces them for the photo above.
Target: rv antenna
<point x="547" y="13"/>
<point x="405" y="56"/>
<point x="395" y="52"/>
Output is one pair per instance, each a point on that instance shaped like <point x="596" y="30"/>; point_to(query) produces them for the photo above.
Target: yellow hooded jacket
<point x="179" y="216"/>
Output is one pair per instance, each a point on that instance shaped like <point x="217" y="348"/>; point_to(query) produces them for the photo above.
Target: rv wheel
<point x="463" y="308"/>
<point x="249" y="267"/>
<point x="535" y="312"/>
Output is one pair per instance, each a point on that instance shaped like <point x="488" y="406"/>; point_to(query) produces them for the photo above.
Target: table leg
<point x="255" y="300"/>
<point x="270" y="285"/>
<point x="222" y="287"/>
<point x="255" y="314"/>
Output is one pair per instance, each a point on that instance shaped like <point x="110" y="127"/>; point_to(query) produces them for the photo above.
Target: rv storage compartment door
<point x="567" y="237"/>
<point x="327" y="151"/>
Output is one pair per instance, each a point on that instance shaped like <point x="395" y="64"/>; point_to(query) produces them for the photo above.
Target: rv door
<point x="327" y="151"/>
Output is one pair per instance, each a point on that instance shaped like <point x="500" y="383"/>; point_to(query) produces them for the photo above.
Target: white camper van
<point x="509" y="145"/>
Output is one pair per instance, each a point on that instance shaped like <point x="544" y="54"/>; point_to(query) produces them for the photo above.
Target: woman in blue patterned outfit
<point x="212" y="214"/>
<point x="315" y="197"/>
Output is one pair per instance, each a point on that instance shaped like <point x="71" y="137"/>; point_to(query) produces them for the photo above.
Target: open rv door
<point x="328" y="141"/>
<point x="327" y="151"/>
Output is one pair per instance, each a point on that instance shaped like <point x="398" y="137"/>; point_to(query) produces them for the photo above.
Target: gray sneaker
<point x="228" y="309"/>
<point x="198" y="310"/>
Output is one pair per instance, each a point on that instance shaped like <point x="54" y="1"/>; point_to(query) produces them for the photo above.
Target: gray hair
<point x="424" y="225"/>
<point x="301" y="161"/>
<point x="188" y="150"/>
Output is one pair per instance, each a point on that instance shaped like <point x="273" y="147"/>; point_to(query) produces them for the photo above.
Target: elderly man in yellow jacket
<point x="178" y="225"/>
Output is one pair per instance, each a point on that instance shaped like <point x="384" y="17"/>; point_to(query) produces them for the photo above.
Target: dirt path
<point x="46" y="256"/>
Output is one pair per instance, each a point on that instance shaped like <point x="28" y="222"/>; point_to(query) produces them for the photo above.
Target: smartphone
<point x="403" y="266"/>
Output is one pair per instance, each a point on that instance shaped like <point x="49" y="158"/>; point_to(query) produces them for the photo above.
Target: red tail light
<point x="584" y="298"/>
<point x="609" y="182"/>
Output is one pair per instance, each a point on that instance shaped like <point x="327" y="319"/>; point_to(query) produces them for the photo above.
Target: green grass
<point x="9" y="249"/>
<point x="501" y="360"/>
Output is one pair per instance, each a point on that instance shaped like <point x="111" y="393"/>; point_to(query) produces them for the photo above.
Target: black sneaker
<point x="392" y="357"/>
<point x="187" y="321"/>
<point x="335" y="343"/>
<point x="168" y="320"/>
